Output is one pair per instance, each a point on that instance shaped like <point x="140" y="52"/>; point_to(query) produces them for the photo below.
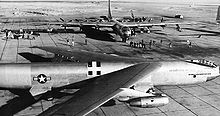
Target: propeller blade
<point x="62" y="19"/>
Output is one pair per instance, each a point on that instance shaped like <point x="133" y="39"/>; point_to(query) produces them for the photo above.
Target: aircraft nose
<point x="213" y="77"/>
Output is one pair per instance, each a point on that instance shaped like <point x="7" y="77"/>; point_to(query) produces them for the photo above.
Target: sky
<point x="174" y="1"/>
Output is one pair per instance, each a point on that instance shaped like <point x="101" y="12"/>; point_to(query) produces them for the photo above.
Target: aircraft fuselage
<point x="53" y="75"/>
<point x="123" y="31"/>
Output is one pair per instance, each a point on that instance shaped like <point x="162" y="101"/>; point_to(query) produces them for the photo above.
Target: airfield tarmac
<point x="191" y="100"/>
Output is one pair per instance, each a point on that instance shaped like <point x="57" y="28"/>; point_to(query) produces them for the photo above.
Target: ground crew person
<point x="150" y="44"/>
<point x="190" y="44"/>
<point x="143" y="45"/>
<point x="85" y="41"/>
<point x="131" y="43"/>
<point x="154" y="42"/>
<point x="6" y="33"/>
<point x="170" y="45"/>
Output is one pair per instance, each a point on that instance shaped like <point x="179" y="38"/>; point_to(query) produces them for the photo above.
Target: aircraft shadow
<point x="34" y="58"/>
<point x="15" y="105"/>
<point x="195" y="51"/>
<point x="200" y="35"/>
<point x="160" y="33"/>
<point x="169" y="52"/>
<point x="202" y="30"/>
<point x="97" y="34"/>
<point x="90" y="33"/>
<point x="198" y="51"/>
<point x="109" y="103"/>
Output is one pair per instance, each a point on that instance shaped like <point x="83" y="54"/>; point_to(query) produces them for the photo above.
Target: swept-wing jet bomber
<point x="127" y="80"/>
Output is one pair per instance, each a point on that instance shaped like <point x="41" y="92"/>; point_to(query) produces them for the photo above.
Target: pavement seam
<point x="200" y="99"/>
<point x="181" y="104"/>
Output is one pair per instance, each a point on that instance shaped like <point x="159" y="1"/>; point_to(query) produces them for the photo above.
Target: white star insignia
<point x="42" y="79"/>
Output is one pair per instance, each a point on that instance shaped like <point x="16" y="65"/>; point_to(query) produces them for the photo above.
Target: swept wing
<point x="101" y="89"/>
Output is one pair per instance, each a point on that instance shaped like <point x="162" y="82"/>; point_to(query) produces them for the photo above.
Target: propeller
<point x="62" y="19"/>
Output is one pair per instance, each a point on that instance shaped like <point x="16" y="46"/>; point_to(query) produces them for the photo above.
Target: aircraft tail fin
<point x="132" y="14"/>
<point x="109" y="10"/>
<point x="218" y="14"/>
<point x="110" y="14"/>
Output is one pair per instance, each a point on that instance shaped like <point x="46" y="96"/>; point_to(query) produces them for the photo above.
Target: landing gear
<point x="178" y="28"/>
<point x="145" y="30"/>
<point x="133" y="32"/>
<point x="151" y="90"/>
<point x="124" y="39"/>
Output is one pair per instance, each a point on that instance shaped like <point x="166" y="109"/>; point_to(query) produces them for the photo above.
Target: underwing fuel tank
<point x="149" y="101"/>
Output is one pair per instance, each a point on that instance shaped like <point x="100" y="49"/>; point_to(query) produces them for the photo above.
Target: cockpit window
<point x="203" y="62"/>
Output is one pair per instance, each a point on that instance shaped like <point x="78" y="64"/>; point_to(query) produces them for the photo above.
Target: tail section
<point x="132" y="14"/>
<point x="109" y="10"/>
<point x="218" y="14"/>
<point x="110" y="15"/>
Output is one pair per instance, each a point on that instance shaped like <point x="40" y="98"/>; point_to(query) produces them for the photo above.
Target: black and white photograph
<point x="109" y="58"/>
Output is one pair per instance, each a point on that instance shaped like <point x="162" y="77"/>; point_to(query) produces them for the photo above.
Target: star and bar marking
<point x="41" y="78"/>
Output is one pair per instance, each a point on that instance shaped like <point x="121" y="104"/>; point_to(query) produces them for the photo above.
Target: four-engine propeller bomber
<point x="99" y="82"/>
<point x="123" y="30"/>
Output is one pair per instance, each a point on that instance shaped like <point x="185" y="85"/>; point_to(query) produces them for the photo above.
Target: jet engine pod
<point x="149" y="102"/>
<point x="179" y="16"/>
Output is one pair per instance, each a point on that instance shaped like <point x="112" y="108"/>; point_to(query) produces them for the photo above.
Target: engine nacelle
<point x="145" y="30"/>
<point x="149" y="102"/>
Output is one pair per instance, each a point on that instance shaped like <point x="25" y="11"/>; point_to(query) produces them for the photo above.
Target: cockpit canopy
<point x="203" y="62"/>
<point x="125" y="29"/>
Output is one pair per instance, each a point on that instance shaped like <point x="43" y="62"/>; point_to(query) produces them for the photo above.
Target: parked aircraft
<point x="121" y="29"/>
<point x="97" y="81"/>
<point x="123" y="78"/>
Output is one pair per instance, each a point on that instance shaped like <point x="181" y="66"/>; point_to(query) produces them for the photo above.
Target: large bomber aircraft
<point x="126" y="79"/>
<point x="123" y="30"/>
